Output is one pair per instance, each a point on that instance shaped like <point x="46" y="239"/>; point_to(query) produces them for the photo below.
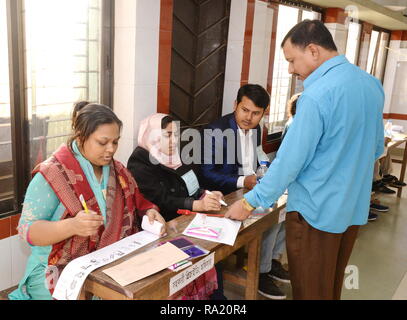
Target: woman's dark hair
<point x="165" y="121"/>
<point x="76" y="108"/>
<point x="255" y="93"/>
<point x="87" y="117"/>
<point x="310" y="31"/>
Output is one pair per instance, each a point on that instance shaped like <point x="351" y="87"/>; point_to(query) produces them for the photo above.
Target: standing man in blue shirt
<point x="326" y="162"/>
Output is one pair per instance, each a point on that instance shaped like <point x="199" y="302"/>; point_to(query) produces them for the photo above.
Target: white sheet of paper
<point x="146" y="264"/>
<point x="154" y="228"/>
<point x="228" y="234"/>
<point x="74" y="274"/>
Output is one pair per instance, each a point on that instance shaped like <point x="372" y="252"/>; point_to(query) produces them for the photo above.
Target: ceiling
<point x="395" y="5"/>
<point x="372" y="11"/>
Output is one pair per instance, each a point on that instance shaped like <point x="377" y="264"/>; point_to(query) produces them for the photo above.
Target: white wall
<point x="234" y="55"/>
<point x="399" y="94"/>
<point x="395" y="81"/>
<point x="339" y="34"/>
<point x="14" y="254"/>
<point x="137" y="25"/>
<point x="390" y="70"/>
<point x="261" y="40"/>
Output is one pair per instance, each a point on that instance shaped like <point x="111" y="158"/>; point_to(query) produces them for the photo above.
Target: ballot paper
<point x="146" y="264"/>
<point x="154" y="228"/>
<point x="214" y="229"/>
<point x="74" y="274"/>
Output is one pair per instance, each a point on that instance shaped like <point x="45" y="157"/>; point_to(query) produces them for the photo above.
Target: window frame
<point x="356" y="59"/>
<point x="18" y="100"/>
<point x="375" y="57"/>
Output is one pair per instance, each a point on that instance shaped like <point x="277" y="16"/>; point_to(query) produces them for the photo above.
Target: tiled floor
<point x="379" y="257"/>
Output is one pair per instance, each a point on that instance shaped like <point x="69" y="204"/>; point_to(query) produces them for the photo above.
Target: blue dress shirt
<point x="326" y="159"/>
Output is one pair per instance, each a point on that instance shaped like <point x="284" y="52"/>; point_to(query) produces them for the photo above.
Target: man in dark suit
<point x="232" y="151"/>
<point x="226" y="164"/>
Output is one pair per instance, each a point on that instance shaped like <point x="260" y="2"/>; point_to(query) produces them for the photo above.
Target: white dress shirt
<point x="247" y="149"/>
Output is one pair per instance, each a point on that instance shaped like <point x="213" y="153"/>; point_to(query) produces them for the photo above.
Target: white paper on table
<point x="74" y="274"/>
<point x="230" y="228"/>
<point x="399" y="136"/>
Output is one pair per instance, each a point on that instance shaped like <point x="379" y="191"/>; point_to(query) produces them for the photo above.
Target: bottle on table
<point x="261" y="171"/>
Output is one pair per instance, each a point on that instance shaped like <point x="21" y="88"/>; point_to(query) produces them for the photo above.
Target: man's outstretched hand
<point x="237" y="211"/>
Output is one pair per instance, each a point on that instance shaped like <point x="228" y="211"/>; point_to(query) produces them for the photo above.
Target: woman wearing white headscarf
<point x="171" y="185"/>
<point x="160" y="173"/>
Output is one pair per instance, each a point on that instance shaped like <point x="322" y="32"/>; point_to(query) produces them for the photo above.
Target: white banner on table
<point x="73" y="276"/>
<point x="187" y="276"/>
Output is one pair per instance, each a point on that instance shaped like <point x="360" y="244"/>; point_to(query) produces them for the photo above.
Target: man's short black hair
<point x="310" y="31"/>
<point x="256" y="93"/>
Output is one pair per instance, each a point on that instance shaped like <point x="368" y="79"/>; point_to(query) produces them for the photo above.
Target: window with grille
<point x="6" y="159"/>
<point x="353" y="41"/>
<point x="284" y="85"/>
<point x="59" y="54"/>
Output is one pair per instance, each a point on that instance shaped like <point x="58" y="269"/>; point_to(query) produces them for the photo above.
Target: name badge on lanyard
<point x="191" y="181"/>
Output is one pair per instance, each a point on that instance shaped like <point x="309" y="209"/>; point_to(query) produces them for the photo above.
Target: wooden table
<point x="156" y="287"/>
<point x="395" y="144"/>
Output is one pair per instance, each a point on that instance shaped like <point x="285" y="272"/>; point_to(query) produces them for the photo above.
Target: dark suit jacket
<point x="222" y="175"/>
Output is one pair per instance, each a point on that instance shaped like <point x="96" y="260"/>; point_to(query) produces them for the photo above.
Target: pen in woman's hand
<point x="220" y="201"/>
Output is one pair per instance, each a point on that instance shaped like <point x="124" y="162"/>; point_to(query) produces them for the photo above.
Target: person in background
<point x="383" y="171"/>
<point x="382" y="177"/>
<point x="291" y="111"/>
<point x="171" y="185"/>
<point x="325" y="160"/>
<point x="250" y="106"/>
<point x="53" y="221"/>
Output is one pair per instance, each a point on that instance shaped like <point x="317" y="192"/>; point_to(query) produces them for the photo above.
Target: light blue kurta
<point x="41" y="203"/>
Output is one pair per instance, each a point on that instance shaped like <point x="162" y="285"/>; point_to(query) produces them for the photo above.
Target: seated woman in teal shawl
<point x="53" y="221"/>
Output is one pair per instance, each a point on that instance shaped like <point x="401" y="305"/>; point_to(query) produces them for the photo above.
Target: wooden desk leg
<point x="240" y="256"/>
<point x="85" y="295"/>
<point x="403" y="170"/>
<point x="253" y="259"/>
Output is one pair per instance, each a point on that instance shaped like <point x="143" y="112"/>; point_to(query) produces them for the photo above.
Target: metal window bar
<point x="19" y="119"/>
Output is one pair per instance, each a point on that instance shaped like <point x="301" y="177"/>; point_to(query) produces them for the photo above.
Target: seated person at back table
<point x="171" y="185"/>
